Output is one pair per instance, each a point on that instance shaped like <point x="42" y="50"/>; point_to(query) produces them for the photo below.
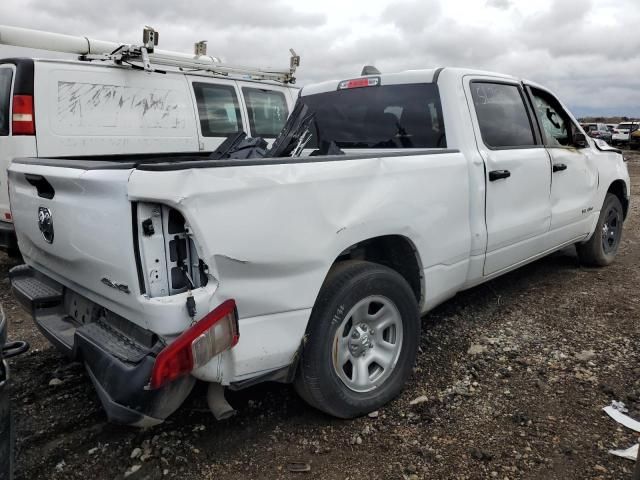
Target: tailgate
<point x="75" y="225"/>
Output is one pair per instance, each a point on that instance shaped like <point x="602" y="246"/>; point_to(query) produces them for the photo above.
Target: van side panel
<point x="101" y="110"/>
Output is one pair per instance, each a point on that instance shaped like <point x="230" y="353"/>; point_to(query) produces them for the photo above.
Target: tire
<point x="357" y="294"/>
<point x="600" y="250"/>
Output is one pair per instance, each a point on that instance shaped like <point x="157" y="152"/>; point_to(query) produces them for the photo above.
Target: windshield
<point x="391" y="116"/>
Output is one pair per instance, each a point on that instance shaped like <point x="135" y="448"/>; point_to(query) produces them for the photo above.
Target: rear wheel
<point x="600" y="250"/>
<point x="362" y="340"/>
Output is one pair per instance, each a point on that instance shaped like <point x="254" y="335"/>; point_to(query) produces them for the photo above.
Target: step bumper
<point x="117" y="354"/>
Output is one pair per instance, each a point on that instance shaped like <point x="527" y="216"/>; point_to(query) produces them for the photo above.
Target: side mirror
<point x="580" y="140"/>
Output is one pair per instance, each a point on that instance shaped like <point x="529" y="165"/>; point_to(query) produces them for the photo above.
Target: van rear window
<point x="387" y="116"/>
<point x="6" y="76"/>
<point x="218" y="109"/>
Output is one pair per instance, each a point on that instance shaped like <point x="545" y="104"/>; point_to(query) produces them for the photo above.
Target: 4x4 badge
<point x="123" y="287"/>
<point x="45" y="223"/>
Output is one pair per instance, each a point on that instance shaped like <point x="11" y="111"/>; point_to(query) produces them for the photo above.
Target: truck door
<point x="219" y="110"/>
<point x="574" y="170"/>
<point x="517" y="172"/>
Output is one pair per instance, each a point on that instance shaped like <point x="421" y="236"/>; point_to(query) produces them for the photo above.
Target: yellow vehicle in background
<point x="634" y="139"/>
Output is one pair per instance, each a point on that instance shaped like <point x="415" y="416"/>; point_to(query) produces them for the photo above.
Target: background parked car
<point x="598" y="130"/>
<point x="7" y="434"/>
<point x="621" y="132"/>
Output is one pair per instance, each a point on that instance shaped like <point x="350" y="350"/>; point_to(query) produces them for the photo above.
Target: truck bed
<point x="186" y="160"/>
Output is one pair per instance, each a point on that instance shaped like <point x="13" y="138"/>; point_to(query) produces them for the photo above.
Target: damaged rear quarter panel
<point x="270" y="233"/>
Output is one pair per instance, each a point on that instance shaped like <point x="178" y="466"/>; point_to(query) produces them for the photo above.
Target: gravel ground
<point x="509" y="384"/>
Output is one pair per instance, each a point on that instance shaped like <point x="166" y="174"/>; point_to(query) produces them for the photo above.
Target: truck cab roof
<point x="431" y="75"/>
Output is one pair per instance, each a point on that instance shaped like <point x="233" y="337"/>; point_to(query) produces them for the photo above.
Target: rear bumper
<point x="8" y="240"/>
<point x="117" y="354"/>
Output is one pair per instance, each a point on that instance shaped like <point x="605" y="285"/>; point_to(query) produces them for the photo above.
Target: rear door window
<point x="502" y="115"/>
<point x="387" y="116"/>
<point x="267" y="111"/>
<point x="6" y="76"/>
<point x="218" y="109"/>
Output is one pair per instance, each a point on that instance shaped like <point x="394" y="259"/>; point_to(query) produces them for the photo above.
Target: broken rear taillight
<point x="22" y="116"/>
<point x="215" y="333"/>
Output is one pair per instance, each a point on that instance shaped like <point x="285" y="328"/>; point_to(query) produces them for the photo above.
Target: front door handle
<point x="498" y="174"/>
<point x="558" y="167"/>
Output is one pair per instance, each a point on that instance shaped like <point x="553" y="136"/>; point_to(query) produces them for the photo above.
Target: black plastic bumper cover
<point x="121" y="386"/>
<point x="119" y="379"/>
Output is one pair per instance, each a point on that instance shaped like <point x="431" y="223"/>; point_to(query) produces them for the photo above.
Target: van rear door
<point x="16" y="78"/>
<point x="6" y="88"/>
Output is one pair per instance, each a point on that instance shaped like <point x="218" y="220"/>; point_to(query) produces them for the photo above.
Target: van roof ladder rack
<point x="145" y="54"/>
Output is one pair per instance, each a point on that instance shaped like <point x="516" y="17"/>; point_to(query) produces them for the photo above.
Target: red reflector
<point x="23" y="121"/>
<point x="7" y="216"/>
<point x="359" y="83"/>
<point x="215" y="333"/>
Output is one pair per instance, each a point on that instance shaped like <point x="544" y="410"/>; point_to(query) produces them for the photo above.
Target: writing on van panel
<point x="98" y="105"/>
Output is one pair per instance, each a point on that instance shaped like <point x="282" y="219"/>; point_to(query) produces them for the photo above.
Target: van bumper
<point x="118" y="355"/>
<point x="8" y="240"/>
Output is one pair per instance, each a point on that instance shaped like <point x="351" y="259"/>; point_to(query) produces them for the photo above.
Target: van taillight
<point x="22" y="119"/>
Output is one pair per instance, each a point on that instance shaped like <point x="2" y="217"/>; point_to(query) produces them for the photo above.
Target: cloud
<point x="585" y="50"/>
<point x="412" y="15"/>
<point x="501" y="4"/>
<point x="213" y="14"/>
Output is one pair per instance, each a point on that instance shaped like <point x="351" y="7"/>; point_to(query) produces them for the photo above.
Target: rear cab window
<point x="381" y="116"/>
<point x="502" y="116"/>
<point x="267" y="110"/>
<point x="6" y="77"/>
<point x="218" y="109"/>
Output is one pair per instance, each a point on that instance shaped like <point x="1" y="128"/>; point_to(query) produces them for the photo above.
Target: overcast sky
<point x="587" y="51"/>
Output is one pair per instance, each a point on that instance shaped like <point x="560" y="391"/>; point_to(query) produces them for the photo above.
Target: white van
<point x="63" y="108"/>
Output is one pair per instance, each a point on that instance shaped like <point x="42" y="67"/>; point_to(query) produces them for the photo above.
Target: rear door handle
<point x="498" y="174"/>
<point x="558" y="167"/>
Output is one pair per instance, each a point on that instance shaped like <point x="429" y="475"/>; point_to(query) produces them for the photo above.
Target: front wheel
<point x="600" y="250"/>
<point x="361" y="341"/>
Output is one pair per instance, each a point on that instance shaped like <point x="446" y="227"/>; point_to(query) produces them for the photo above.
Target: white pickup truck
<point x="312" y="269"/>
